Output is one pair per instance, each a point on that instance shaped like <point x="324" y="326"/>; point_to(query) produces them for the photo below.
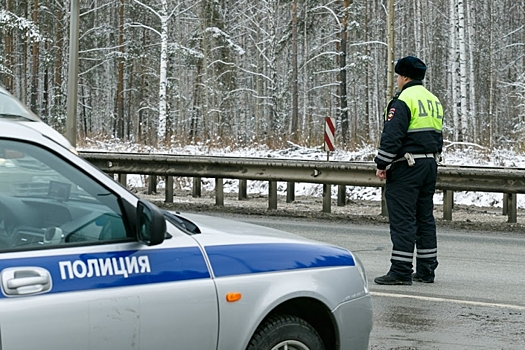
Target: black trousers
<point x="409" y="195"/>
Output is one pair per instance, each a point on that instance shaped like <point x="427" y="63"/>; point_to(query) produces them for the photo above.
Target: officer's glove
<point x="439" y="158"/>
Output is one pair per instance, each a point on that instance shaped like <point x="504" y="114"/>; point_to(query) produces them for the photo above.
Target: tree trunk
<point x="295" y="103"/>
<point x="462" y="72"/>
<point x="491" y="80"/>
<point x="163" y="81"/>
<point x="476" y="121"/>
<point x="58" y="93"/>
<point x="453" y="71"/>
<point x="197" y="103"/>
<point x="34" y="67"/>
<point x="343" y="93"/>
<point x="120" y="79"/>
<point x="8" y="80"/>
<point x="390" y="52"/>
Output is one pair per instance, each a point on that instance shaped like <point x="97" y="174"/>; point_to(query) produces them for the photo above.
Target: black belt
<point x="423" y="155"/>
<point x="409" y="157"/>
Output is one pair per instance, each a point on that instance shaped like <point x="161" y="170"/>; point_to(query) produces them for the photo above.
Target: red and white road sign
<point x="329" y="132"/>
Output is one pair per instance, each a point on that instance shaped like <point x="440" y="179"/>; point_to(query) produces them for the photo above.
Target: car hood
<point x="215" y="229"/>
<point x="236" y="248"/>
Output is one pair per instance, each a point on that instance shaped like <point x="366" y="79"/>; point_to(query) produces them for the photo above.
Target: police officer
<point x="411" y="142"/>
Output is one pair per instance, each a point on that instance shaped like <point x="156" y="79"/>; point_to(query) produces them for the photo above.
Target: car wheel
<point x="285" y="332"/>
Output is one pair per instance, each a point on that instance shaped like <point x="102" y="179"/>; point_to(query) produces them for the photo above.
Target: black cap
<point x="411" y="67"/>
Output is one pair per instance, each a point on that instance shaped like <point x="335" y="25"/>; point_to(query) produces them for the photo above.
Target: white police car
<point x="85" y="264"/>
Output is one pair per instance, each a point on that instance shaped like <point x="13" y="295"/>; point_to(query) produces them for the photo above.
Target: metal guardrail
<point x="509" y="181"/>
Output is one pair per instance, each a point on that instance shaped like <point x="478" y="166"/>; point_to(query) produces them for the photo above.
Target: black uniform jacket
<point x="395" y="138"/>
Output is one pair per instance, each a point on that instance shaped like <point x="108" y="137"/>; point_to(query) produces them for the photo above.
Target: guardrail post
<point x="290" y="192"/>
<point x="327" y="198"/>
<point x="448" y="203"/>
<point x="341" y="195"/>
<point x="272" y="195"/>
<point x="196" y="189"/>
<point x="169" y="189"/>
<point x="505" y="204"/>
<point x="384" y="209"/>
<point x="512" y="207"/>
<point x="123" y="180"/>
<point x="243" y="186"/>
<point x="219" y="192"/>
<point x="152" y="184"/>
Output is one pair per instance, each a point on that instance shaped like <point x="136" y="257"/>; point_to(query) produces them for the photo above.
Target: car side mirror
<point x="151" y="224"/>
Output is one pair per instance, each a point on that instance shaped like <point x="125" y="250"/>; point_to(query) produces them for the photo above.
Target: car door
<point x="73" y="274"/>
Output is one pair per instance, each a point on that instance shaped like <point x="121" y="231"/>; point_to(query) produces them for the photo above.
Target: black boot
<point x="425" y="270"/>
<point x="426" y="279"/>
<point x="390" y="280"/>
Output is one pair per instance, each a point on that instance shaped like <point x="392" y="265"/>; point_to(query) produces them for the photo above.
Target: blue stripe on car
<point x="255" y="258"/>
<point x="92" y="271"/>
<point x="165" y="265"/>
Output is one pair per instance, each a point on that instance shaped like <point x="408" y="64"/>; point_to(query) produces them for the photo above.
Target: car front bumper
<point x="355" y="319"/>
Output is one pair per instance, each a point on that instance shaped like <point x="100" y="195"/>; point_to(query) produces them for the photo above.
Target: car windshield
<point x="10" y="107"/>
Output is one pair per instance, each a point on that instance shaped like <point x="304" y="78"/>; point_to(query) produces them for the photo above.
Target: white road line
<point x="456" y="301"/>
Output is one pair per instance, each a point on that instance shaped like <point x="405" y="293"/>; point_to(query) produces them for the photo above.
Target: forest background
<point x="247" y="73"/>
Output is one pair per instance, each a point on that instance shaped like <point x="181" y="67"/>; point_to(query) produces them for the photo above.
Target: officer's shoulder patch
<point x="390" y="114"/>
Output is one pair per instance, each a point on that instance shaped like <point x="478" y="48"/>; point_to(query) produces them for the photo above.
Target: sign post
<point x="329" y="132"/>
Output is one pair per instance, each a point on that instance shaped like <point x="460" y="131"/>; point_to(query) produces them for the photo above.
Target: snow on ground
<point x="469" y="154"/>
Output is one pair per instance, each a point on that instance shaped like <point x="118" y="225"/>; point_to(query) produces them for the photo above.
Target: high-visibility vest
<point x="425" y="109"/>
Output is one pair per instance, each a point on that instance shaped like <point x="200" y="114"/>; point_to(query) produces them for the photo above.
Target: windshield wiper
<point x="16" y="116"/>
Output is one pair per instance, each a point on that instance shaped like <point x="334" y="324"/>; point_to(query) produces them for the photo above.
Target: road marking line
<point x="456" y="301"/>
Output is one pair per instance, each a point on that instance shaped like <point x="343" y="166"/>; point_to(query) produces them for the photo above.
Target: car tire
<point x="285" y="332"/>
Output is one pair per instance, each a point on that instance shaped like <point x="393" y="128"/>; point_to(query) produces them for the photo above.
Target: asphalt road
<point x="477" y="301"/>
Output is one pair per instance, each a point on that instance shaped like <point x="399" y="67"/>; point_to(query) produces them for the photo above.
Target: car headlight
<point x="361" y="269"/>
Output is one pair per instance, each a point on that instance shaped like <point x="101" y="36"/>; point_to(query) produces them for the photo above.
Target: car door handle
<point x="18" y="281"/>
<point x="27" y="281"/>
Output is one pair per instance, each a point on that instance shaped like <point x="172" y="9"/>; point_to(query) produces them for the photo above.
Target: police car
<point x="85" y="264"/>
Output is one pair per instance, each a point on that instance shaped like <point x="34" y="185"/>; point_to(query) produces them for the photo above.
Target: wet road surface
<point x="432" y="323"/>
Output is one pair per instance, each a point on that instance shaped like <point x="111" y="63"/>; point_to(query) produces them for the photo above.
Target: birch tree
<point x="119" y="105"/>
<point x="464" y="122"/>
<point x="163" y="13"/>
<point x="453" y="74"/>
